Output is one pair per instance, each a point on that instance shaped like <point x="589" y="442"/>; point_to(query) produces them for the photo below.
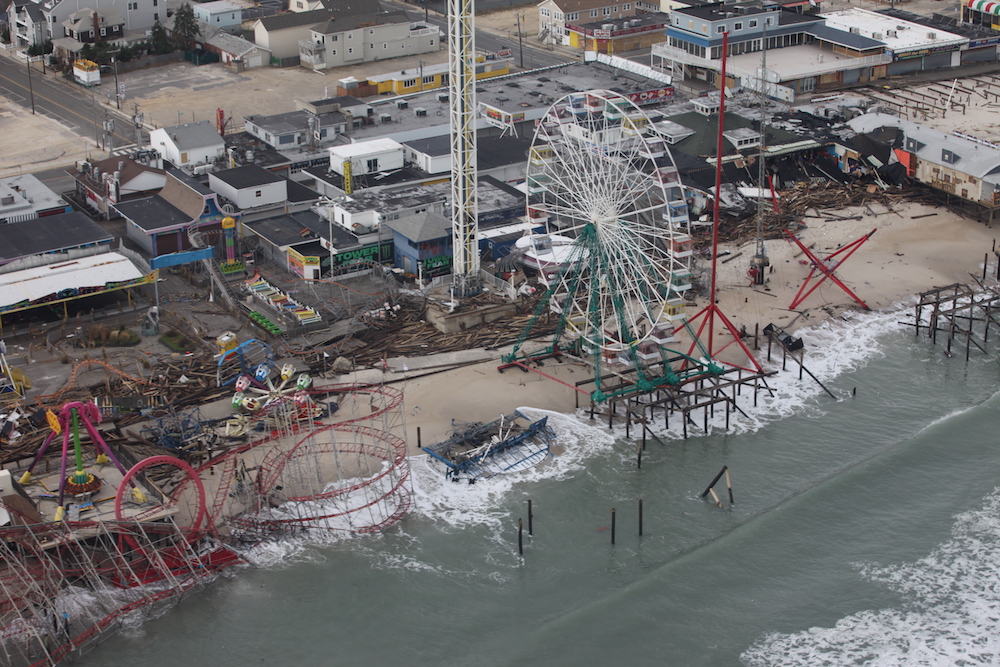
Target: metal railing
<point x="499" y="285"/>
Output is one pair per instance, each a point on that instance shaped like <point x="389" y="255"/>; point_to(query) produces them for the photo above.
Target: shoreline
<point x="904" y="257"/>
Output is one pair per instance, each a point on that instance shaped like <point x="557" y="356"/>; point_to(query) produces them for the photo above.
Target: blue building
<point x="423" y="243"/>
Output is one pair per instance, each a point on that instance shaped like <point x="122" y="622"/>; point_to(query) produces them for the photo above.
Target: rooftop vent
<point x="385" y="118"/>
<point x="402" y="104"/>
<point x="442" y="97"/>
<point x="420" y="112"/>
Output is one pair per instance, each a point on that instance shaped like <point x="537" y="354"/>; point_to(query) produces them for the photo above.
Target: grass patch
<point x="177" y="342"/>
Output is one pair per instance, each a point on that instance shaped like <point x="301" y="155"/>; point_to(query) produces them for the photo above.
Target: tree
<point x="186" y="29"/>
<point x="37" y="49"/>
<point x="160" y="43"/>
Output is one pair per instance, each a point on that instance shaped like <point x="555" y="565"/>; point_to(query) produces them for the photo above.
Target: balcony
<point x="311" y="52"/>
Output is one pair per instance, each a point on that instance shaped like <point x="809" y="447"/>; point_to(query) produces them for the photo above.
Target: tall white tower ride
<point x="462" y="79"/>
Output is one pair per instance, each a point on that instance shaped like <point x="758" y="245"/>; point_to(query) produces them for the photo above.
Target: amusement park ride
<point x="96" y="532"/>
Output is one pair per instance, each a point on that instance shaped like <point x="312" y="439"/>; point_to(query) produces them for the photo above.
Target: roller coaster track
<point x="52" y="400"/>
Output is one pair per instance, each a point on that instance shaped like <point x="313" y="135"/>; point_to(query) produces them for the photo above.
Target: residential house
<point x="87" y="26"/>
<point x="188" y="145"/>
<point x="350" y="39"/>
<point x="233" y="50"/>
<point x="100" y="185"/>
<point x="280" y="34"/>
<point x="220" y="14"/>
<point x="555" y="17"/>
<point x="161" y="224"/>
<point x="28" y="24"/>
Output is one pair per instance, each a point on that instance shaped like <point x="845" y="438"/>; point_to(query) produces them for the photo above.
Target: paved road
<point x="76" y="108"/>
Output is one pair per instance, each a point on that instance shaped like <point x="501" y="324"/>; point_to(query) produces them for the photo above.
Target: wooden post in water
<point x="520" y="537"/>
<point x="729" y="485"/>
<point x="418" y="437"/>
<point x="639" y="451"/>
<point x="640" y="517"/>
<point x="612" y="525"/>
<point x="531" y="518"/>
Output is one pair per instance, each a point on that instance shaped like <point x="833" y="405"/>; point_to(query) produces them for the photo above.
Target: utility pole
<point x="137" y="122"/>
<point x="118" y="92"/>
<point x="109" y="127"/>
<point x="520" y="41"/>
<point x="31" y="90"/>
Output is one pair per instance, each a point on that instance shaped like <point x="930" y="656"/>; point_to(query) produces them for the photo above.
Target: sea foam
<point x="951" y="617"/>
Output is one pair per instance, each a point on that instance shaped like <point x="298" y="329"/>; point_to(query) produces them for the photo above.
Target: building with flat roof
<point x="296" y="128"/>
<point x="54" y="239"/>
<point x="189" y="144"/>
<point x="25" y="197"/>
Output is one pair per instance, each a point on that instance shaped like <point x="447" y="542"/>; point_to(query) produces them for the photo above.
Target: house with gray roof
<point x="349" y="38"/>
<point x="958" y="165"/>
<point x="423" y="243"/>
<point x="280" y="34"/>
<point x="188" y="145"/>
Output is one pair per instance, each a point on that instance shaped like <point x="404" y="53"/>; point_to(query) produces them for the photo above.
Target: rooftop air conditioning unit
<point x="878" y="36"/>
<point x="607" y="26"/>
<point x="385" y="118"/>
<point x="891" y="33"/>
<point x="932" y="35"/>
<point x="442" y="97"/>
<point x="855" y="31"/>
<point x="402" y="104"/>
<point x="420" y="112"/>
<point x="7" y="200"/>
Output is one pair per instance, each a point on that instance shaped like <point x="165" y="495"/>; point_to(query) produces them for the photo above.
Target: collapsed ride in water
<point x="92" y="537"/>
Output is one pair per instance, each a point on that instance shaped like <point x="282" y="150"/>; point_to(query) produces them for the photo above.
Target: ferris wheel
<point x="616" y="256"/>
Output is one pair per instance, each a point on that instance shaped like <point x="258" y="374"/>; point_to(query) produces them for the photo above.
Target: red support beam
<point x="826" y="270"/>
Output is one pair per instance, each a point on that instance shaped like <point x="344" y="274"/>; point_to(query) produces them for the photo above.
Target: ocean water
<point x="865" y="532"/>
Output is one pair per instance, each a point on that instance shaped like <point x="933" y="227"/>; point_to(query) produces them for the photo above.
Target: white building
<point x="348" y="39"/>
<point x="367" y="157"/>
<point x="221" y="14"/>
<point x="249" y="187"/>
<point x="188" y="145"/>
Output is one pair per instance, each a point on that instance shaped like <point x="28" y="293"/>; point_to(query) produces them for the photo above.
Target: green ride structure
<point x="600" y="174"/>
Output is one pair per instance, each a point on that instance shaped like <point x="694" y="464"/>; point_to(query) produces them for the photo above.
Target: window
<point x="615" y="8"/>
<point x="154" y="2"/>
<point x="350" y="49"/>
<point x="371" y="46"/>
<point x="546" y="12"/>
<point x="768" y="21"/>
<point x="627" y="6"/>
<point x="333" y="38"/>
<point x="371" y="32"/>
<point x="373" y="164"/>
<point x="156" y="16"/>
<point x="409" y="83"/>
<point x="573" y="17"/>
<point x="104" y="31"/>
<point x="738" y="26"/>
<point x="428" y="79"/>
<point x="385" y="45"/>
<point x="720" y="29"/>
<point x="949" y="157"/>
<point x="133" y="5"/>
<point x="286" y="138"/>
<point x="593" y="13"/>
<point x="258" y="193"/>
<point x="350" y="35"/>
<point x="607" y="11"/>
<point x="753" y="23"/>
<point x="557" y="16"/>
<point x="218" y="19"/>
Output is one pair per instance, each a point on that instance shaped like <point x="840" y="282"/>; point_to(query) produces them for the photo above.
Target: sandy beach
<point x="908" y="254"/>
